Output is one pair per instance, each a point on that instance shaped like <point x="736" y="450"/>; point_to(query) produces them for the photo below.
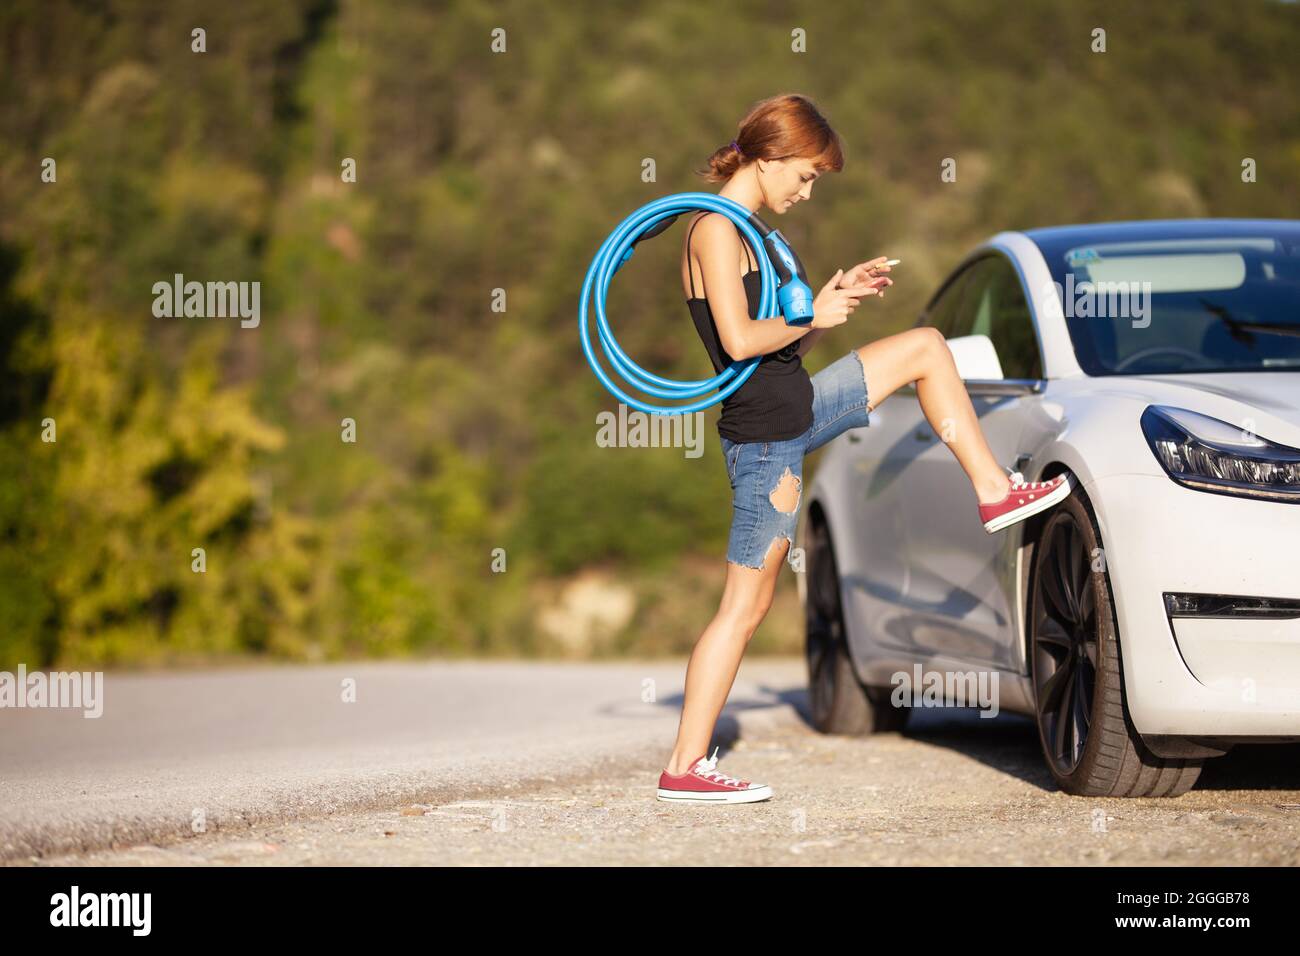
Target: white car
<point x="1152" y="619"/>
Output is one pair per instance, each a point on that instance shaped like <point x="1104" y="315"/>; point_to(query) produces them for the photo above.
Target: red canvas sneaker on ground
<point x="1024" y="499"/>
<point x="702" y="783"/>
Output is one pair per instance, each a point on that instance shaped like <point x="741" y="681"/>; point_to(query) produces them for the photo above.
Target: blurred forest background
<point x="476" y="171"/>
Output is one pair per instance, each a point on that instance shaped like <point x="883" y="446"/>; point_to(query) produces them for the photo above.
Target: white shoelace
<point x="1018" y="483"/>
<point x="705" y="769"/>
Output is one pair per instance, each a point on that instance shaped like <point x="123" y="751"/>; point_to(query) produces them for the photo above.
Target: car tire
<point x="839" y="702"/>
<point x="1075" y="644"/>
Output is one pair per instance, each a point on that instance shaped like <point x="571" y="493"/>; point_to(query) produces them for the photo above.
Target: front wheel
<point x="840" y="703"/>
<point x="1087" y="735"/>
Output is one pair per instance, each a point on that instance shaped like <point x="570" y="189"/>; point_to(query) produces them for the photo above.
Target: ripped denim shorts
<point x="761" y="510"/>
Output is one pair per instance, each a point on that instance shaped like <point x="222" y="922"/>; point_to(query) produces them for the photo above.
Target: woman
<point x="780" y="415"/>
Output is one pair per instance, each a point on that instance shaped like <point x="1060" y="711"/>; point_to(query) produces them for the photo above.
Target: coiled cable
<point x="779" y="267"/>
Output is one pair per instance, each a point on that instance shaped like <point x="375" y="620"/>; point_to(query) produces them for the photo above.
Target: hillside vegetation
<point x="478" y="171"/>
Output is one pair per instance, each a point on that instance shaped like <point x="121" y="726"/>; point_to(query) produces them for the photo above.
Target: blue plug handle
<point x="795" y="295"/>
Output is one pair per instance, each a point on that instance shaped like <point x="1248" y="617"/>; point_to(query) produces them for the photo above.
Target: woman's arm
<point x="719" y="249"/>
<point x="742" y="337"/>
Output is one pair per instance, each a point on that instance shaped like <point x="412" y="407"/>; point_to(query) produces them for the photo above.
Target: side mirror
<point x="976" y="357"/>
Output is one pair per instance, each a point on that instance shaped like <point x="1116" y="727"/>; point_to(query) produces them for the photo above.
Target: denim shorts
<point x="756" y="469"/>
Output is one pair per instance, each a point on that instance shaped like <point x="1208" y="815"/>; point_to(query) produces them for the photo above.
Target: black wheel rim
<point x="1065" y="642"/>
<point x="824" y="625"/>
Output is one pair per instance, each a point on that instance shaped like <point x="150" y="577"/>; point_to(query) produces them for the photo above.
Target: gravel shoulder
<point x="952" y="789"/>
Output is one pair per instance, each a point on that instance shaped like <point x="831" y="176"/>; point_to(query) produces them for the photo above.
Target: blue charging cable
<point x="784" y="283"/>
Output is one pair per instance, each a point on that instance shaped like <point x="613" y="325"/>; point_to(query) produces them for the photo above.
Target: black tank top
<point x="775" y="403"/>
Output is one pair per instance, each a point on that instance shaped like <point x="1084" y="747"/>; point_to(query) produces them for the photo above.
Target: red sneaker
<point x="1025" y="498"/>
<point x="703" y="784"/>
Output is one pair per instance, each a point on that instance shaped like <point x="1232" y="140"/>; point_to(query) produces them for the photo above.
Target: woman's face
<point x="785" y="182"/>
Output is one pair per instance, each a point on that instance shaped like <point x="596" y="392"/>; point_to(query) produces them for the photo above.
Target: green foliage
<point x="583" y="504"/>
<point x="476" y="172"/>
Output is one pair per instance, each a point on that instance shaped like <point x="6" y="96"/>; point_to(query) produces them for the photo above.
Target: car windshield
<point x="1150" y="306"/>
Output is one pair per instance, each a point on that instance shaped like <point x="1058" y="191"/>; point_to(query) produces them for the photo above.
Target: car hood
<point x="1270" y="401"/>
<point x="1275" y="392"/>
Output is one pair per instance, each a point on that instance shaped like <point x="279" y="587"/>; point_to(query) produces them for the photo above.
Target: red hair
<point x="788" y="126"/>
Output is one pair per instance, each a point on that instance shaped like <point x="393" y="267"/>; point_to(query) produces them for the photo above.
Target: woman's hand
<point x="870" y="273"/>
<point x="836" y="300"/>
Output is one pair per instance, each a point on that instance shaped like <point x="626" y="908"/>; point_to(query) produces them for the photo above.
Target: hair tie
<point x="737" y="148"/>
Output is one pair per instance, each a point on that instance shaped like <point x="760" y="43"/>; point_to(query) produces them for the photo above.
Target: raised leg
<point x="922" y="356"/>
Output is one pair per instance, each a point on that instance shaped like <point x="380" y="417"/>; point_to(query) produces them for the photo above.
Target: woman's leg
<point x="746" y="598"/>
<point x="922" y="356"/>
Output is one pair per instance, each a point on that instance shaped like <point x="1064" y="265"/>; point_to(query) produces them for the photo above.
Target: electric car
<point x="1151" y="620"/>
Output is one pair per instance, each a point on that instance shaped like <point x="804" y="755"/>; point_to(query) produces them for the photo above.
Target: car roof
<point x="1152" y="229"/>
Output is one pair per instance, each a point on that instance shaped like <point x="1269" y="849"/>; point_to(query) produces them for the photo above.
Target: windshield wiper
<point x="1241" y="330"/>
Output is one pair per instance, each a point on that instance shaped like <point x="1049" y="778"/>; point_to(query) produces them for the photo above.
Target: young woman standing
<point x="780" y="415"/>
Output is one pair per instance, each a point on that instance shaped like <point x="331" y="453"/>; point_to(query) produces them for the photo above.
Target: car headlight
<point x="1208" y="454"/>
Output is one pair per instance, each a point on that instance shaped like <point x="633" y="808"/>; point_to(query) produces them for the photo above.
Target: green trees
<point x="484" y="178"/>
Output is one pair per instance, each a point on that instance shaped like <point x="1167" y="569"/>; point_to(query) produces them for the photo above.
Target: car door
<point x="958" y="597"/>
<point x="876" y="564"/>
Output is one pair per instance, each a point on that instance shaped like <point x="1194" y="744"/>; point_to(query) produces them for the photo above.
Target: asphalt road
<point x="556" y="763"/>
